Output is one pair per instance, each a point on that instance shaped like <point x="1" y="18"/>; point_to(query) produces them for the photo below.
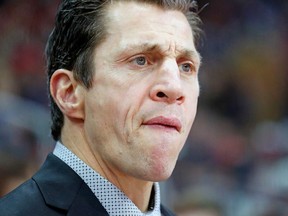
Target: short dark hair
<point x="79" y="28"/>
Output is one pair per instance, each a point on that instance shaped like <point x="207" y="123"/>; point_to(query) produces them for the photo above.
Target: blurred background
<point x="235" y="161"/>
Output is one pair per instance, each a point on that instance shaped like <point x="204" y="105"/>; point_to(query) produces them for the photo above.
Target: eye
<point x="140" y="60"/>
<point x="186" y="67"/>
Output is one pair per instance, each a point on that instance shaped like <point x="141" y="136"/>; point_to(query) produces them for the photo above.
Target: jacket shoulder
<point x="53" y="191"/>
<point x="166" y="212"/>
<point x="24" y="200"/>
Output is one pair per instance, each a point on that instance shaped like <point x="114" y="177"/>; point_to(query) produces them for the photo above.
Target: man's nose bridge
<point x="169" y="73"/>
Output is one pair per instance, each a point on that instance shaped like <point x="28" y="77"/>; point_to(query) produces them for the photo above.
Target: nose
<point x="167" y="86"/>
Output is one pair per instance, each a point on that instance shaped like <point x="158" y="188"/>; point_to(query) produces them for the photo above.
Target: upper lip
<point x="165" y="121"/>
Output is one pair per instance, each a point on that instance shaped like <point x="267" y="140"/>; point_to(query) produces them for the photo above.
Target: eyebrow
<point x="191" y="54"/>
<point x="150" y="47"/>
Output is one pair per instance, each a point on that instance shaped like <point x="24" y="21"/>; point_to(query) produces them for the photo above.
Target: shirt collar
<point x="113" y="200"/>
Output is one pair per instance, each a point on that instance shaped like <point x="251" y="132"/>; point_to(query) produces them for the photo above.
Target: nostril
<point x="161" y="95"/>
<point x="180" y="98"/>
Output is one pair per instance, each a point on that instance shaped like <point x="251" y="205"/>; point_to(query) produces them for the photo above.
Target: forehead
<point x="133" y="22"/>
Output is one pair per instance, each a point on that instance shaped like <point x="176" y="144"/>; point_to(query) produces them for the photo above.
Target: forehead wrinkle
<point x="145" y="47"/>
<point x="182" y="51"/>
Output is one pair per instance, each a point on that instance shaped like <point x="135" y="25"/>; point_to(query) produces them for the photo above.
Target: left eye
<point x="186" y="67"/>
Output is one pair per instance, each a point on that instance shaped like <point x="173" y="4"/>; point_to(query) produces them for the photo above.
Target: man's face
<point x="143" y="101"/>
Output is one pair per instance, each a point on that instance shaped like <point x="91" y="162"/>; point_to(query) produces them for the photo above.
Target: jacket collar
<point x="62" y="188"/>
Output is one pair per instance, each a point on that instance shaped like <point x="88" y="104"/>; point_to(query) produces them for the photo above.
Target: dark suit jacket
<point x="54" y="190"/>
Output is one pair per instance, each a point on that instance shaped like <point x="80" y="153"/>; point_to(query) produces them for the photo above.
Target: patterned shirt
<point x="115" y="202"/>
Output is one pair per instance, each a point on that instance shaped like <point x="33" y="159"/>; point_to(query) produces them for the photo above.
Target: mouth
<point x="164" y="122"/>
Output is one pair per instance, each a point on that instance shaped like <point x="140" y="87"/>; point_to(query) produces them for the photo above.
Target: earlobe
<point x="67" y="93"/>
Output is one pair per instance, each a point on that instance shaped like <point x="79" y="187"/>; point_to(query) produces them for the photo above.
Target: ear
<point x="67" y="94"/>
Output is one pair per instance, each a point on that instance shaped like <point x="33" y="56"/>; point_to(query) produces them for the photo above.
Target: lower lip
<point x="161" y="127"/>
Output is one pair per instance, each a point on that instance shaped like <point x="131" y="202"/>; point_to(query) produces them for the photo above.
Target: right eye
<point x="140" y="61"/>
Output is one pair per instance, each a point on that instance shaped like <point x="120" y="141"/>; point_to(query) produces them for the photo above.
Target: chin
<point x="163" y="177"/>
<point x="162" y="172"/>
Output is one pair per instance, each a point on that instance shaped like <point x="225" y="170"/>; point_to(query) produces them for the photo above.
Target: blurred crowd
<point x="24" y="111"/>
<point x="235" y="162"/>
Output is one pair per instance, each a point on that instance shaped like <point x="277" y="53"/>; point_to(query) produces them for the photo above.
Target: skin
<point x="133" y="122"/>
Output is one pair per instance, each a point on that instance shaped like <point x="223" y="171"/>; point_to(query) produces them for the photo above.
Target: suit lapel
<point x="62" y="188"/>
<point x="85" y="204"/>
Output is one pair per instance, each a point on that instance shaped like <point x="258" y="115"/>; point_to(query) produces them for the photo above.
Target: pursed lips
<point x="169" y="122"/>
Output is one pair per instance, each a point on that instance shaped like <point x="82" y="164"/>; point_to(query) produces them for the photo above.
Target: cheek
<point x="190" y="107"/>
<point x="111" y="111"/>
<point x="106" y="99"/>
<point x="99" y="112"/>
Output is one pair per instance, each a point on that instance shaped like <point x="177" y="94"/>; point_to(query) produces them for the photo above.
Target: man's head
<point x="81" y="25"/>
<point x="129" y="98"/>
